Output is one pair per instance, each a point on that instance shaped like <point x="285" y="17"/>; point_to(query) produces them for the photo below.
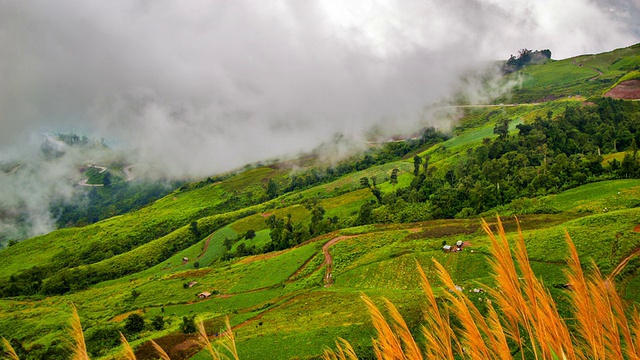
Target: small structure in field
<point x="185" y="259"/>
<point x="446" y="248"/>
<point x="204" y="295"/>
<point x="191" y="283"/>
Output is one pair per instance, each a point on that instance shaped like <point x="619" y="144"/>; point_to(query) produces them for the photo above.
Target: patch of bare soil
<point x="629" y="90"/>
<point x="190" y="273"/>
<point x="328" y="260"/>
<point x="121" y="317"/>
<point x="636" y="228"/>
<point x="177" y="345"/>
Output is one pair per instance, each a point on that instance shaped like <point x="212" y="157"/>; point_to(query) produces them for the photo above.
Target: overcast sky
<point x="203" y="86"/>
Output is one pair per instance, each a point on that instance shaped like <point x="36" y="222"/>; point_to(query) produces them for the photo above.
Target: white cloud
<point x="204" y="86"/>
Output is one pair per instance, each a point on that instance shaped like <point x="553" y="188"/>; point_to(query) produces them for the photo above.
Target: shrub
<point x="157" y="323"/>
<point x="188" y="325"/>
<point x="134" y="324"/>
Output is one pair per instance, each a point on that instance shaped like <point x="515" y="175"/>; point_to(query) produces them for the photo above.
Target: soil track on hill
<point x="328" y="260"/>
<point x="628" y="90"/>
<point x="83" y="182"/>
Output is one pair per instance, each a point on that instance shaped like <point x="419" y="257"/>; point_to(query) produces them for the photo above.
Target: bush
<point x="157" y="323"/>
<point x="134" y="324"/>
<point x="188" y="325"/>
<point x="100" y="340"/>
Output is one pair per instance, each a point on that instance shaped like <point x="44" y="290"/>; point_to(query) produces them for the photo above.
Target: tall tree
<point x="272" y="189"/>
<point x="393" y="179"/>
<point x="417" y="160"/>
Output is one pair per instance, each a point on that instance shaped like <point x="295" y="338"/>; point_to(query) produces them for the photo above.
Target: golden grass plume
<point x="10" y="353"/>
<point x="523" y="323"/>
<point x="78" y="346"/>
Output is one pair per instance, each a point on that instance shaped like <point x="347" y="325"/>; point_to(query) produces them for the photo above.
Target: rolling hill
<point x="286" y="255"/>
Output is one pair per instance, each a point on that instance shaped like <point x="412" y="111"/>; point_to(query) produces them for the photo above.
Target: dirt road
<point x="83" y="182"/>
<point x="328" y="260"/>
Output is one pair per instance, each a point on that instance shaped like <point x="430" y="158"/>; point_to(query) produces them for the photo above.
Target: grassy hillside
<point x="585" y="76"/>
<point x="258" y="239"/>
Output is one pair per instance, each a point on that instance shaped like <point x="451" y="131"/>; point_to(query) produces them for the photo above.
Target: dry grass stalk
<point x="343" y="352"/>
<point x="473" y="324"/>
<point x="163" y="354"/>
<point x="127" y="352"/>
<point x="527" y="314"/>
<point x="78" y="346"/>
<point x="229" y="341"/>
<point x="437" y="331"/>
<point x="203" y="339"/>
<point x="388" y="345"/>
<point x="9" y="351"/>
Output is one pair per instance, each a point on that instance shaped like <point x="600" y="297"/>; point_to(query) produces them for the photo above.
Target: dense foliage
<point x="99" y="203"/>
<point x="546" y="156"/>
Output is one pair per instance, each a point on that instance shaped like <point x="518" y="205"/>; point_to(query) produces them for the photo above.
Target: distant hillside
<point x="584" y="76"/>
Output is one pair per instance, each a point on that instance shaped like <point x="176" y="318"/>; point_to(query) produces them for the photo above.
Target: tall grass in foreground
<point x="521" y="320"/>
<point x="79" y="349"/>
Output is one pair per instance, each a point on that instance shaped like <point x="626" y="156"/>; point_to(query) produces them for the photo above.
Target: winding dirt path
<point x="83" y="182"/>
<point x="206" y="247"/>
<point x="328" y="260"/>
<point x="126" y="170"/>
<point x="128" y="173"/>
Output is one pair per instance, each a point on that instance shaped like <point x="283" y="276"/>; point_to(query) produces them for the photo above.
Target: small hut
<point x="204" y="295"/>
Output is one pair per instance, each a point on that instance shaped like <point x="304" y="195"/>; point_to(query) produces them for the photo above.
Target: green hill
<point x="257" y="240"/>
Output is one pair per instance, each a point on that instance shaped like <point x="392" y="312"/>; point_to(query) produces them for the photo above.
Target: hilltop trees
<point x="525" y="57"/>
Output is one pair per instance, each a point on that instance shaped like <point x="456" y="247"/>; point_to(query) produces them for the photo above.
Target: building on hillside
<point x="204" y="295"/>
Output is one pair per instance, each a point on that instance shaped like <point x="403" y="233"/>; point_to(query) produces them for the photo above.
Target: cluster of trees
<point x="284" y="233"/>
<point x="546" y="156"/>
<point x="525" y="57"/>
<point x="100" y="203"/>
<point x="389" y="151"/>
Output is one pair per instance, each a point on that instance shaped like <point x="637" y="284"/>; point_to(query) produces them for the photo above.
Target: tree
<point x="393" y="179"/>
<point x="134" y="324"/>
<point x="502" y="128"/>
<point x="194" y="229"/>
<point x="250" y="234"/>
<point x="425" y="164"/>
<point x="106" y="180"/>
<point x="188" y="325"/>
<point x="157" y="323"/>
<point x="417" y="160"/>
<point x="272" y="189"/>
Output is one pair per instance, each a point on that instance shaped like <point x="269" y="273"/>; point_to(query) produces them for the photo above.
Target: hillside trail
<point x="83" y="182"/>
<point x="328" y="260"/>
<point x="127" y="171"/>
<point x="206" y="247"/>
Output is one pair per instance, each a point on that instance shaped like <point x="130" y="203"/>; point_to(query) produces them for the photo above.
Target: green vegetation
<point x="253" y="245"/>
<point x="585" y="76"/>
